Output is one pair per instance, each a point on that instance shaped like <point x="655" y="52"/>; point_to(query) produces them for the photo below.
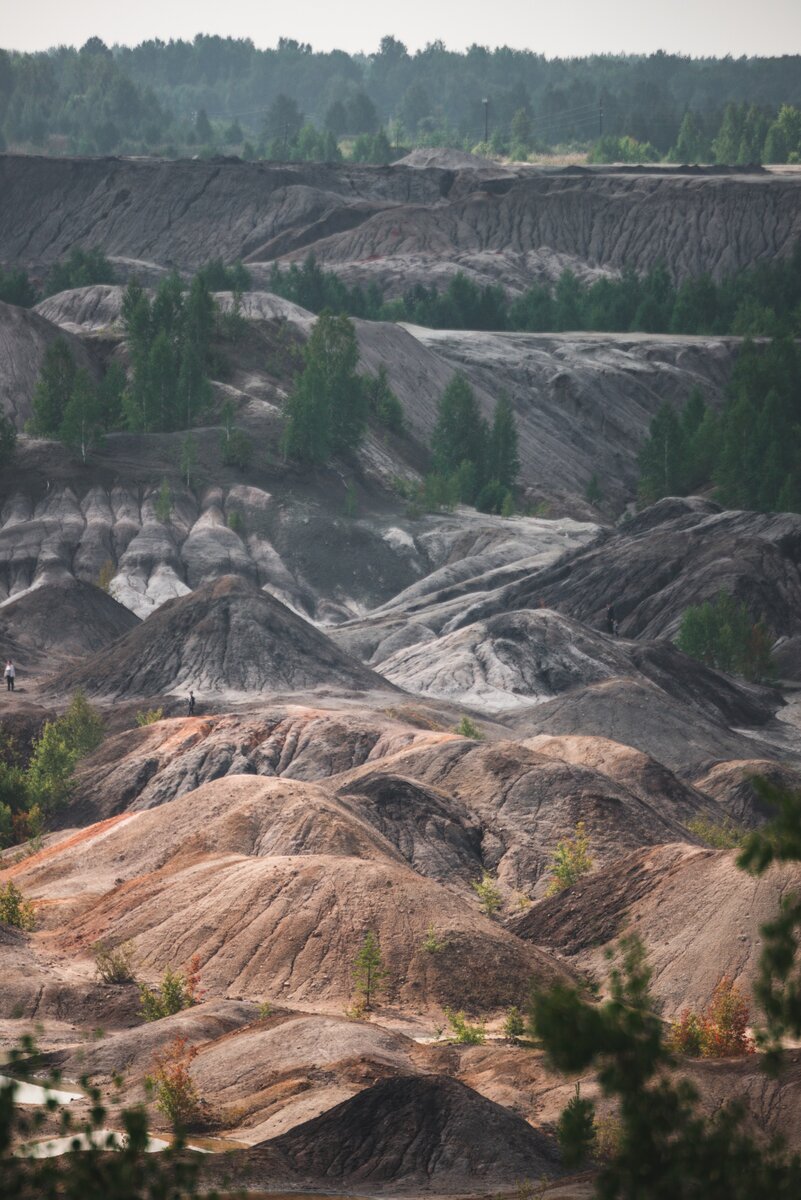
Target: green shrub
<point x="114" y="964"/>
<point x="92" y="1174"/>
<point x="722" y="835"/>
<point x="177" y="991"/>
<point x="82" y="725"/>
<point x="575" y="1130"/>
<point x="571" y="860"/>
<point x="432" y="943"/>
<point x="237" y="448"/>
<point x="176" y="1094"/>
<point x="15" y="910"/>
<point x="369" y="973"/>
<point x="467" y="728"/>
<point x="721" y="634"/>
<point x="489" y="897"/>
<point x="162" y="505"/>
<point x="149" y="716"/>
<point x="463" y="1034"/>
<point x="514" y="1026"/>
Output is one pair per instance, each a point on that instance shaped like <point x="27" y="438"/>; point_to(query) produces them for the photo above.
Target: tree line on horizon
<point x="290" y="101"/>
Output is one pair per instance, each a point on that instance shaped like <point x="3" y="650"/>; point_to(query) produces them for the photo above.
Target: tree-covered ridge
<point x="225" y="92"/>
<point x="762" y="301"/>
<point x="751" y="451"/>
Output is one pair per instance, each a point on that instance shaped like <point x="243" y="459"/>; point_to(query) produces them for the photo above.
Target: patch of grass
<point x="463" y="1034"/>
<point x="467" y="728"/>
<point x="722" y="835"/>
<point x="149" y="716"/>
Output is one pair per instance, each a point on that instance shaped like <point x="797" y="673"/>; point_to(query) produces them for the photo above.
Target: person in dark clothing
<point x="191" y="710"/>
<point x="611" y="620"/>
<point x="10" y="674"/>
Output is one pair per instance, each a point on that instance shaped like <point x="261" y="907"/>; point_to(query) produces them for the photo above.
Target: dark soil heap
<point x="225" y="636"/>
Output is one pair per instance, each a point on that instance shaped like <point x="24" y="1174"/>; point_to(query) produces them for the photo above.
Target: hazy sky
<point x="562" y="27"/>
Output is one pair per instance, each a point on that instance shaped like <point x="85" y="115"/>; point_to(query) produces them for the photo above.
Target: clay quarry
<point x="393" y="708"/>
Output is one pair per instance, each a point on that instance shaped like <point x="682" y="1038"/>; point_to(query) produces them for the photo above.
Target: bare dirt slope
<point x="184" y="213"/>
<point x="698" y="915"/>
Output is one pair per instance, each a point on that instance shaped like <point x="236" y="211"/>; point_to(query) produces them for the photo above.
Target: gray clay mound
<point x="227" y="636"/>
<point x="731" y="785"/>
<point x="24" y="338"/>
<point x="413" y="1130"/>
<point x="642" y="715"/>
<point x="515" y="659"/>
<point x="677" y="553"/>
<point x="68" y="618"/>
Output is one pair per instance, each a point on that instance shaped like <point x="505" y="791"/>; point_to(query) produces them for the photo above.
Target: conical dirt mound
<point x="414" y="1129"/>
<point x="227" y="636"/>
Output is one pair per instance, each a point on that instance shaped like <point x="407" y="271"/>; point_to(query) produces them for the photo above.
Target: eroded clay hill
<point x="676" y="553"/>
<point x="396" y="224"/>
<point x="225" y="637"/>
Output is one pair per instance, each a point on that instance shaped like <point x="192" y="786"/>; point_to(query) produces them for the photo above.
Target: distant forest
<point x="217" y="94"/>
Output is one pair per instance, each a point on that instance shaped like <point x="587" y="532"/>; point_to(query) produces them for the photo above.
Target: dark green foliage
<point x="169" y="345"/>
<point x="575" y="1131"/>
<point x="80" y="269"/>
<point x="668" y="1149"/>
<point x="53" y="389"/>
<point x="94" y="1173"/>
<point x="373" y="148"/>
<point x="217" y="277"/>
<point x="327" y="409"/>
<point x="16" y="288"/>
<point x="722" y="634"/>
<point x="369" y="972"/>
<point x="382" y="401"/>
<point x="31" y="790"/>
<point x="504" y="465"/>
<point x="82" y="425"/>
<point x="8" y="439"/>
<point x="778" y="986"/>
<point x="681" y="450"/>
<point x="460" y="438"/>
<point x="593" y="494"/>
<point x="494" y="498"/>
<point x="144" y="98"/>
<point x="751" y="450"/>
<point x="314" y="288"/>
<point x="759" y="463"/>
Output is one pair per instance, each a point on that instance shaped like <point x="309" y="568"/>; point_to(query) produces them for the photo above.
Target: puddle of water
<point x="103" y="1139"/>
<point x="33" y="1093"/>
<point x="99" y="1138"/>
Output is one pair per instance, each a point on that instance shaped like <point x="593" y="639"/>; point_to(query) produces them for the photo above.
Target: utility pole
<point x="600" y="118"/>
<point x="485" y="102"/>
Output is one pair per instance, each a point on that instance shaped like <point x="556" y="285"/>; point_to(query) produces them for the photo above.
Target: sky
<point x="561" y="28"/>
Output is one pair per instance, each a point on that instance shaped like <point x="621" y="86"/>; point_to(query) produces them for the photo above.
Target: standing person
<point x="10" y="674"/>
<point x="191" y="707"/>
<point x="611" y="620"/>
